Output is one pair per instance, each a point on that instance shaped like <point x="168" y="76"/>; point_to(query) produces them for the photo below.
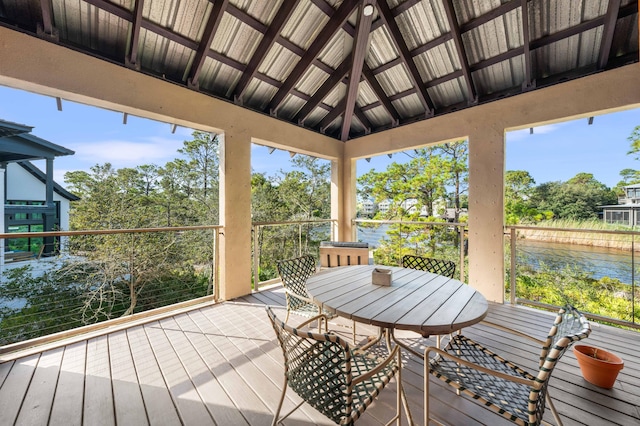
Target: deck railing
<point x="273" y="241"/>
<point x="102" y="275"/>
<point x="593" y="269"/>
<point x="391" y="239"/>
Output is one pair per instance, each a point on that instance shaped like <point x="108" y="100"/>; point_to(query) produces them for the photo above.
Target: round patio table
<point x="419" y="301"/>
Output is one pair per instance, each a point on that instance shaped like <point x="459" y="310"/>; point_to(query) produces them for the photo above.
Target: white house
<point x="627" y="211"/>
<point x="31" y="200"/>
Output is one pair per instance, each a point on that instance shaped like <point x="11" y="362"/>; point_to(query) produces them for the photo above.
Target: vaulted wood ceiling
<point x="345" y="68"/>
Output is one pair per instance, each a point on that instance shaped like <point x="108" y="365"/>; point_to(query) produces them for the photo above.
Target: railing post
<point x="299" y="239"/>
<point x="633" y="279"/>
<point x="513" y="266"/>
<point x="256" y="256"/>
<point x="461" y="240"/>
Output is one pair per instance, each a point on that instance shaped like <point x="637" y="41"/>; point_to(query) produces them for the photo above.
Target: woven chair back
<point x="570" y="326"/>
<point x="428" y="264"/>
<point x="294" y="274"/>
<point x="317" y="368"/>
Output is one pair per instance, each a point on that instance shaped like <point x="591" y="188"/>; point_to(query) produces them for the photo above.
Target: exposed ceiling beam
<point x="329" y="30"/>
<point x="332" y="115"/>
<point x="526" y="52"/>
<point x="359" y="52"/>
<point x="322" y="92"/>
<point x="269" y="38"/>
<point x="607" y="34"/>
<point x="382" y="96"/>
<point x="363" y="119"/>
<point x="47" y="19"/>
<point x="491" y="15"/>
<point x="567" y="32"/>
<point x="401" y="46"/>
<point x="132" y="56"/>
<point x="462" y="54"/>
<point x="205" y="42"/>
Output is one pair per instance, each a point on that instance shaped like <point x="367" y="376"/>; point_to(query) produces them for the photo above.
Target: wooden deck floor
<point x="220" y="365"/>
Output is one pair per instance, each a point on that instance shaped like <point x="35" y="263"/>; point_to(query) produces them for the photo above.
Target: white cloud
<point x="518" y="135"/>
<point x="121" y="153"/>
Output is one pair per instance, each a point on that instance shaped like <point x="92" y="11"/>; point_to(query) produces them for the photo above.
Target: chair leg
<point x="277" y="413"/>
<point x="426" y="389"/>
<point x="353" y="323"/>
<point x="399" y="391"/>
<point x="553" y="408"/>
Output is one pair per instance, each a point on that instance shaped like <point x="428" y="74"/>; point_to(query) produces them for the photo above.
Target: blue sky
<point x="99" y="136"/>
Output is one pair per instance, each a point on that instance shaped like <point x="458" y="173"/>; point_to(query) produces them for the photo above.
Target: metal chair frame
<point x="499" y="384"/>
<point x="294" y="274"/>
<point x="329" y="374"/>
<point x="443" y="267"/>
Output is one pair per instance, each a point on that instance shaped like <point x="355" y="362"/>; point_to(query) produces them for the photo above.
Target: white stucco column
<point x="343" y="197"/>
<point x="486" y="211"/>
<point x="235" y="214"/>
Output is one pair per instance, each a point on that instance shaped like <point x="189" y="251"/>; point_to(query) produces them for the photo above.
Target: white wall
<point x="23" y="186"/>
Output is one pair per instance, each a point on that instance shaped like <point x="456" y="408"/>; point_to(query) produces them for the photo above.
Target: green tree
<point x="518" y="190"/>
<point x="202" y="172"/>
<point x="634" y="139"/>
<point x="578" y="198"/>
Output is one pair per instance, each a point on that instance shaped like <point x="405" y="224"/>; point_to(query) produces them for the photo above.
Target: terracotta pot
<point x="599" y="367"/>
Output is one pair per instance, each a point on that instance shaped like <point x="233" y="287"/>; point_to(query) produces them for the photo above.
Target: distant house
<point x="31" y="200"/>
<point x="368" y="207"/>
<point x="627" y="211"/>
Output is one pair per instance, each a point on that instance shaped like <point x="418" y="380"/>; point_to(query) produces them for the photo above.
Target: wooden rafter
<point x="359" y="52"/>
<point x="132" y="57"/>
<point x="526" y="51"/>
<point x="607" y="34"/>
<point x="462" y="55"/>
<point x="322" y="92"/>
<point x="47" y="19"/>
<point x="269" y="38"/>
<point x="329" y="30"/>
<point x="207" y="37"/>
<point x="382" y="96"/>
<point x="405" y="54"/>
<point x="332" y="115"/>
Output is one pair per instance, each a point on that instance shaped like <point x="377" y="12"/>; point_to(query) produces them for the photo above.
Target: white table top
<point x="420" y="301"/>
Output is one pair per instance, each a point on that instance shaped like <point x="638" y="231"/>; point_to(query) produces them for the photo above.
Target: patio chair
<point x="294" y="274"/>
<point x="437" y="266"/>
<point x="499" y="384"/>
<point x="331" y="376"/>
<point x="428" y="264"/>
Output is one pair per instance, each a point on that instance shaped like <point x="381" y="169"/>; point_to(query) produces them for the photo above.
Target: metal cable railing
<point x="273" y="241"/>
<point x="99" y="275"/>
<point x="592" y="269"/>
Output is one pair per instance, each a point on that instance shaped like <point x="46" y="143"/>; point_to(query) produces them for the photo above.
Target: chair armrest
<point x="395" y="353"/>
<point x="310" y="320"/>
<point x="475" y="366"/>
<point x="512" y="331"/>
<point x="297" y="296"/>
